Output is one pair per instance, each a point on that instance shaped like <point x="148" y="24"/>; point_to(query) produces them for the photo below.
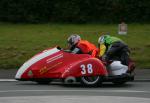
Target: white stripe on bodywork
<point x="33" y="60"/>
<point x="55" y="58"/>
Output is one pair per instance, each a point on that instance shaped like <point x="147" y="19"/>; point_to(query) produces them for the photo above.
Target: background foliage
<point x="75" y="11"/>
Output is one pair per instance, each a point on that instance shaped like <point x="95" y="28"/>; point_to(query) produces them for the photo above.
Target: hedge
<point x="75" y="11"/>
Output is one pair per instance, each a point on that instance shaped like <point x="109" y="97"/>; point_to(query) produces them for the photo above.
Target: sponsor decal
<point x="45" y="69"/>
<point x="67" y="70"/>
<point x="30" y="74"/>
<point x="54" y="58"/>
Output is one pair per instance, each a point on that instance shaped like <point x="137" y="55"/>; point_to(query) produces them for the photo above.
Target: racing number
<point x="83" y="70"/>
<point x="89" y="69"/>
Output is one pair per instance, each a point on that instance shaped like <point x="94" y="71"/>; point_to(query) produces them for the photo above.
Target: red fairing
<point x="87" y="67"/>
<point x="60" y="64"/>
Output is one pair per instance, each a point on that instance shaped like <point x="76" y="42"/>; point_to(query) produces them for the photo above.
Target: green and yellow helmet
<point x="102" y="39"/>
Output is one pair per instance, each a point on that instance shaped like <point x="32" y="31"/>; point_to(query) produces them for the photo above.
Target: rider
<point x="113" y="48"/>
<point x="79" y="46"/>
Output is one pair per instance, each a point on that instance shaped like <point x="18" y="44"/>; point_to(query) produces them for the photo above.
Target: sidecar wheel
<point x="91" y="80"/>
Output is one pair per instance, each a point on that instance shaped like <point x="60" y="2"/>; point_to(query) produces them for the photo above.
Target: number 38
<point x="88" y="67"/>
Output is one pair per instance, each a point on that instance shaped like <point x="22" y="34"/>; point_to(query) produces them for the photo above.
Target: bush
<point x="75" y="11"/>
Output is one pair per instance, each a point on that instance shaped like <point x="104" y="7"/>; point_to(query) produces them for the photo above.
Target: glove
<point x="104" y="58"/>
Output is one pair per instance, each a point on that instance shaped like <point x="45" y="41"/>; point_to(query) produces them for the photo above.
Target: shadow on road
<point x="76" y="85"/>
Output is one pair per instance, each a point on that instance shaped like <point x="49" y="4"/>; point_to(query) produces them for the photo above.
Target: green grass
<point x="19" y="42"/>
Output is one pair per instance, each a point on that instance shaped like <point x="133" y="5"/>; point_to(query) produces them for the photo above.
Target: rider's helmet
<point x="102" y="39"/>
<point x="73" y="39"/>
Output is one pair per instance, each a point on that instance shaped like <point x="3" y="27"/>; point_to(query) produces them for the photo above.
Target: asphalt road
<point x="26" y="92"/>
<point x="30" y="92"/>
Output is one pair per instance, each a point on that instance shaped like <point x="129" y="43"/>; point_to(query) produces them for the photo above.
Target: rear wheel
<point x="91" y="80"/>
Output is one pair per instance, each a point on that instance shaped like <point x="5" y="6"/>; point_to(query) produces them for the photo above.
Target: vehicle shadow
<point x="104" y="85"/>
<point x="76" y="85"/>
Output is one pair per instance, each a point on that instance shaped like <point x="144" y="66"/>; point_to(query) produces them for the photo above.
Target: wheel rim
<point x="90" y="80"/>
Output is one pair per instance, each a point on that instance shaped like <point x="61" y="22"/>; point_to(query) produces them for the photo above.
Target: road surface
<point x="30" y="92"/>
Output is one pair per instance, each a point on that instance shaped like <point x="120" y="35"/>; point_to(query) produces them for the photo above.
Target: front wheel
<point x="91" y="80"/>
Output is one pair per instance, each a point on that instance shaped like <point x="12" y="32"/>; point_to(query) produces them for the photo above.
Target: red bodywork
<point x="61" y="65"/>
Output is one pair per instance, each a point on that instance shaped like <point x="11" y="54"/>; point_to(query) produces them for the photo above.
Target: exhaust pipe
<point x="70" y="80"/>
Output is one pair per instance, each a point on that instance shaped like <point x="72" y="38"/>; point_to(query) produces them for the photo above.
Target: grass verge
<point x="19" y="42"/>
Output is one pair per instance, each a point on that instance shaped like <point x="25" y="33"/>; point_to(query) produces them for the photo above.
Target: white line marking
<point x="107" y="91"/>
<point x="7" y="80"/>
<point x="73" y="99"/>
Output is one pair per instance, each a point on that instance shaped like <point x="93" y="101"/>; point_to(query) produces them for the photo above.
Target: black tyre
<point x="91" y="80"/>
